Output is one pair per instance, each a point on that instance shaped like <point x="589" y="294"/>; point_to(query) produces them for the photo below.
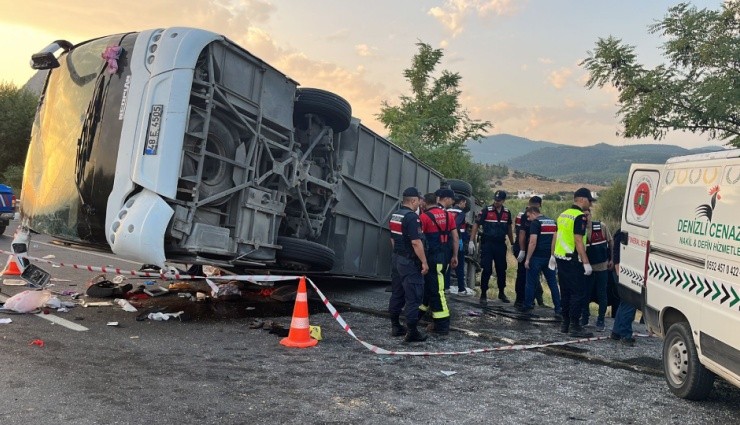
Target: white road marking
<point x="63" y="322"/>
<point x="110" y="257"/>
<point x="55" y="319"/>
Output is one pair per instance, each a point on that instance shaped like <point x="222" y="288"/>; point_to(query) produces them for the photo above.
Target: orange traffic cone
<point x="299" y="334"/>
<point x="11" y="268"/>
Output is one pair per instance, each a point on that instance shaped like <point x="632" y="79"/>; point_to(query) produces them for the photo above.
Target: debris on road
<point x="161" y="317"/>
<point x="97" y="304"/>
<point x="5" y="321"/>
<point x="27" y="301"/>
<point x="125" y="305"/>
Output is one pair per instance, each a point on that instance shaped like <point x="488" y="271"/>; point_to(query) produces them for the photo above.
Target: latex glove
<point x="520" y="257"/>
<point x="587" y="269"/>
<point x="471" y="248"/>
<point x="552" y="264"/>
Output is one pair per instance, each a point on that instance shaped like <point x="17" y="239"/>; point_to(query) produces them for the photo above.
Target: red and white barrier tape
<point x="332" y="310"/>
<point x="162" y="274"/>
<point x="377" y="350"/>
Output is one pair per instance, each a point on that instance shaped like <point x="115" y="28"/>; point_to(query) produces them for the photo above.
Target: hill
<point x="517" y="180"/>
<point x="598" y="164"/>
<point x="499" y="148"/>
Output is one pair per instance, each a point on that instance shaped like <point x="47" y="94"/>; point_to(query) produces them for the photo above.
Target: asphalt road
<point x="213" y="368"/>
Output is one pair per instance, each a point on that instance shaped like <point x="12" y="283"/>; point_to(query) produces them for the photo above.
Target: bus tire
<point x="336" y="112"/>
<point x="314" y="256"/>
<point x="217" y="175"/>
<point x="460" y="186"/>
<point x="686" y="376"/>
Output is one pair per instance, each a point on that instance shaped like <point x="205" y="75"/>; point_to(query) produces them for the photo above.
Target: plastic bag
<point x="27" y="301"/>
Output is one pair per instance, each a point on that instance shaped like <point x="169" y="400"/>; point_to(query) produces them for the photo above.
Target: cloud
<point x="239" y="20"/>
<point x="352" y="84"/>
<point x="546" y="61"/>
<point x="338" y="35"/>
<point x="231" y="19"/>
<point x="454" y="13"/>
<point x="559" y="78"/>
<point x="365" y="51"/>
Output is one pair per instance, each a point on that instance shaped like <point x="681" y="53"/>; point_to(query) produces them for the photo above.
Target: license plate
<point x="152" y="134"/>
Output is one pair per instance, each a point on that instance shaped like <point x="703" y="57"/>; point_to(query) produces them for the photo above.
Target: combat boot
<point x="577" y="331"/>
<point x="397" y="329"/>
<point x="565" y="325"/>
<point x="440" y="327"/>
<point x="502" y="296"/>
<point x="414" y="335"/>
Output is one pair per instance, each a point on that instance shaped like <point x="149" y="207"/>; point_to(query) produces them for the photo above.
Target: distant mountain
<point x="499" y="148"/>
<point x="597" y="164"/>
<point x="36" y="83"/>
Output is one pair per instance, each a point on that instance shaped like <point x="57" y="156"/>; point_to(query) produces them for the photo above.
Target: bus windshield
<point x="60" y="158"/>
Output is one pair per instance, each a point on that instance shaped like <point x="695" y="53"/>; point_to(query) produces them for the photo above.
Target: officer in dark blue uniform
<point x="521" y="234"/>
<point x="409" y="265"/>
<point x="459" y="209"/>
<point x="496" y="222"/>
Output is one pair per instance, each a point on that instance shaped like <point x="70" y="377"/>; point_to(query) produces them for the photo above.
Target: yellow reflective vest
<point x="566" y="241"/>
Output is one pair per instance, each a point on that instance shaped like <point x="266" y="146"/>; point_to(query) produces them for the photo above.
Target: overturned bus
<point x="178" y="145"/>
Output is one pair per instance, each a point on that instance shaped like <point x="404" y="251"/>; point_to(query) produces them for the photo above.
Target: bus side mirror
<point x="624" y="239"/>
<point x="45" y="59"/>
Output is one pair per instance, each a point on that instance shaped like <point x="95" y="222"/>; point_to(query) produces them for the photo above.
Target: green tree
<point x="17" y="109"/>
<point x="13" y="177"/>
<point x="697" y="90"/>
<point x="611" y="204"/>
<point x="431" y="123"/>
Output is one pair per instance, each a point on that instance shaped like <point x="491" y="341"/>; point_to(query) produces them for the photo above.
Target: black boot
<point x="414" y="335"/>
<point x="397" y="329"/>
<point x="577" y="331"/>
<point x="441" y="327"/>
<point x="565" y="325"/>
<point x="502" y="296"/>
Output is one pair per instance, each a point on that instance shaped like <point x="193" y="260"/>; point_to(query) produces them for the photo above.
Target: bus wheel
<point x="460" y="186"/>
<point x="336" y="112"/>
<point x="312" y="255"/>
<point x="686" y="376"/>
<point x="221" y="144"/>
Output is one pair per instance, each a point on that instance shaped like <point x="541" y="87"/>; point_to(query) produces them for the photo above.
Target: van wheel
<point x="460" y="186"/>
<point x="304" y="255"/>
<point x="336" y="112"/>
<point x="686" y="376"/>
<point x="217" y="174"/>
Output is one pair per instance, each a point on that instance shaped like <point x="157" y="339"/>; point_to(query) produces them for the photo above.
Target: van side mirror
<point x="45" y="59"/>
<point x="624" y="239"/>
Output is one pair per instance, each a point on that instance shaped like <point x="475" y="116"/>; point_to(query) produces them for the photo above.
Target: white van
<point x="680" y="264"/>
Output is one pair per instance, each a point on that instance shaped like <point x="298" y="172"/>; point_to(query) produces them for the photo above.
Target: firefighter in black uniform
<point x="409" y="265"/>
<point x="440" y="234"/>
<point x="496" y="221"/>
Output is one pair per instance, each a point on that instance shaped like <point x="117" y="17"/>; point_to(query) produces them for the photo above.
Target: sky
<point x="518" y="59"/>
